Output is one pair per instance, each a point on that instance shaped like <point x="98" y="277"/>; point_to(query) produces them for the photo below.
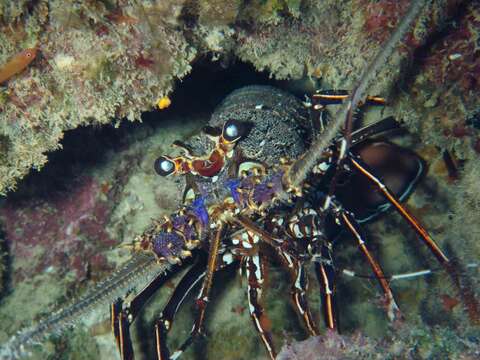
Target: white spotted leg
<point x="246" y="244"/>
<point x="299" y="289"/>
<point x="291" y="262"/>
<point x="254" y="273"/>
<point x="326" y="276"/>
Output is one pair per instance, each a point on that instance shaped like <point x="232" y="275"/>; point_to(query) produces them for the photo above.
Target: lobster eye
<point x="232" y="130"/>
<point x="164" y="166"/>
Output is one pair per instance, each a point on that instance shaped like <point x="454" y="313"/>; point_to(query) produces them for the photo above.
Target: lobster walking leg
<point x="328" y="97"/>
<point x="294" y="267"/>
<point x="470" y="302"/>
<point x="320" y="101"/>
<point x="255" y="278"/>
<point x="434" y="248"/>
<point x="326" y="276"/>
<point x="353" y="227"/>
<point x="123" y="314"/>
<point x="121" y="330"/>
<point x="299" y="289"/>
<point x="183" y="288"/>
<point x="202" y="298"/>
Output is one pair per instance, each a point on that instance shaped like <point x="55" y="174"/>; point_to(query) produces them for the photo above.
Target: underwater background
<point x="85" y="115"/>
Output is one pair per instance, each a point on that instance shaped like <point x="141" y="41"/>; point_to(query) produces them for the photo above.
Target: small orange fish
<point x="17" y="64"/>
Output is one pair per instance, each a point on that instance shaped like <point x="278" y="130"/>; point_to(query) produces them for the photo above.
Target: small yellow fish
<point x="164" y="102"/>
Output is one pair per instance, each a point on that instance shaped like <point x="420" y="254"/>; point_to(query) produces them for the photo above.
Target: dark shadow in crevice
<point x="86" y="147"/>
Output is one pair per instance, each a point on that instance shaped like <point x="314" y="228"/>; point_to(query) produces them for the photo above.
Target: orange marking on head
<point x="209" y="167"/>
<point x="182" y="166"/>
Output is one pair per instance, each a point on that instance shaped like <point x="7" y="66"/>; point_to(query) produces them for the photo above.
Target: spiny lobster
<point x="239" y="209"/>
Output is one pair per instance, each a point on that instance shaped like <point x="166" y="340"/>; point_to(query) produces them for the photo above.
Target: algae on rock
<point x="99" y="63"/>
<point x="95" y="64"/>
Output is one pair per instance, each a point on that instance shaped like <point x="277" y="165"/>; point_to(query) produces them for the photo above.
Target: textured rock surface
<point x="101" y="62"/>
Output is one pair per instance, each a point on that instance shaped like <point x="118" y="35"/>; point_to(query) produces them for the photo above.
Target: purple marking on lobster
<point x="167" y="244"/>
<point x="265" y="191"/>
<point x="233" y="185"/>
<point x="180" y="223"/>
<point x="200" y="211"/>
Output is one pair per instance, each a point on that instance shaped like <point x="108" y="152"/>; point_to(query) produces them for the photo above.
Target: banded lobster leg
<point x="255" y="278"/>
<point x="299" y="289"/>
<point x="185" y="286"/>
<point x="326" y="276"/>
<point x="163" y="325"/>
<point x="201" y="300"/>
<point x="305" y="227"/>
<point x="468" y="298"/>
<point x="348" y="220"/>
<point x="247" y="245"/>
<point x="359" y="165"/>
<point x="122" y="315"/>
<point x="321" y="99"/>
<point x="293" y="265"/>
<point x="330" y="97"/>
<point x="308" y="224"/>
<point x="344" y="217"/>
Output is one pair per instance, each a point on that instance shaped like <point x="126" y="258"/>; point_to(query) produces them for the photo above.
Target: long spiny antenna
<point x="137" y="271"/>
<point x="301" y="168"/>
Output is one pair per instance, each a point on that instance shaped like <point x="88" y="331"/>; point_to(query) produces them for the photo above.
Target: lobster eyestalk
<point x="299" y="170"/>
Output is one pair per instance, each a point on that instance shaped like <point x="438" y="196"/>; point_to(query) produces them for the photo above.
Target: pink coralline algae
<point x="445" y="89"/>
<point x="381" y="17"/>
<point x="456" y="59"/>
<point x="329" y="346"/>
<point x="64" y="232"/>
